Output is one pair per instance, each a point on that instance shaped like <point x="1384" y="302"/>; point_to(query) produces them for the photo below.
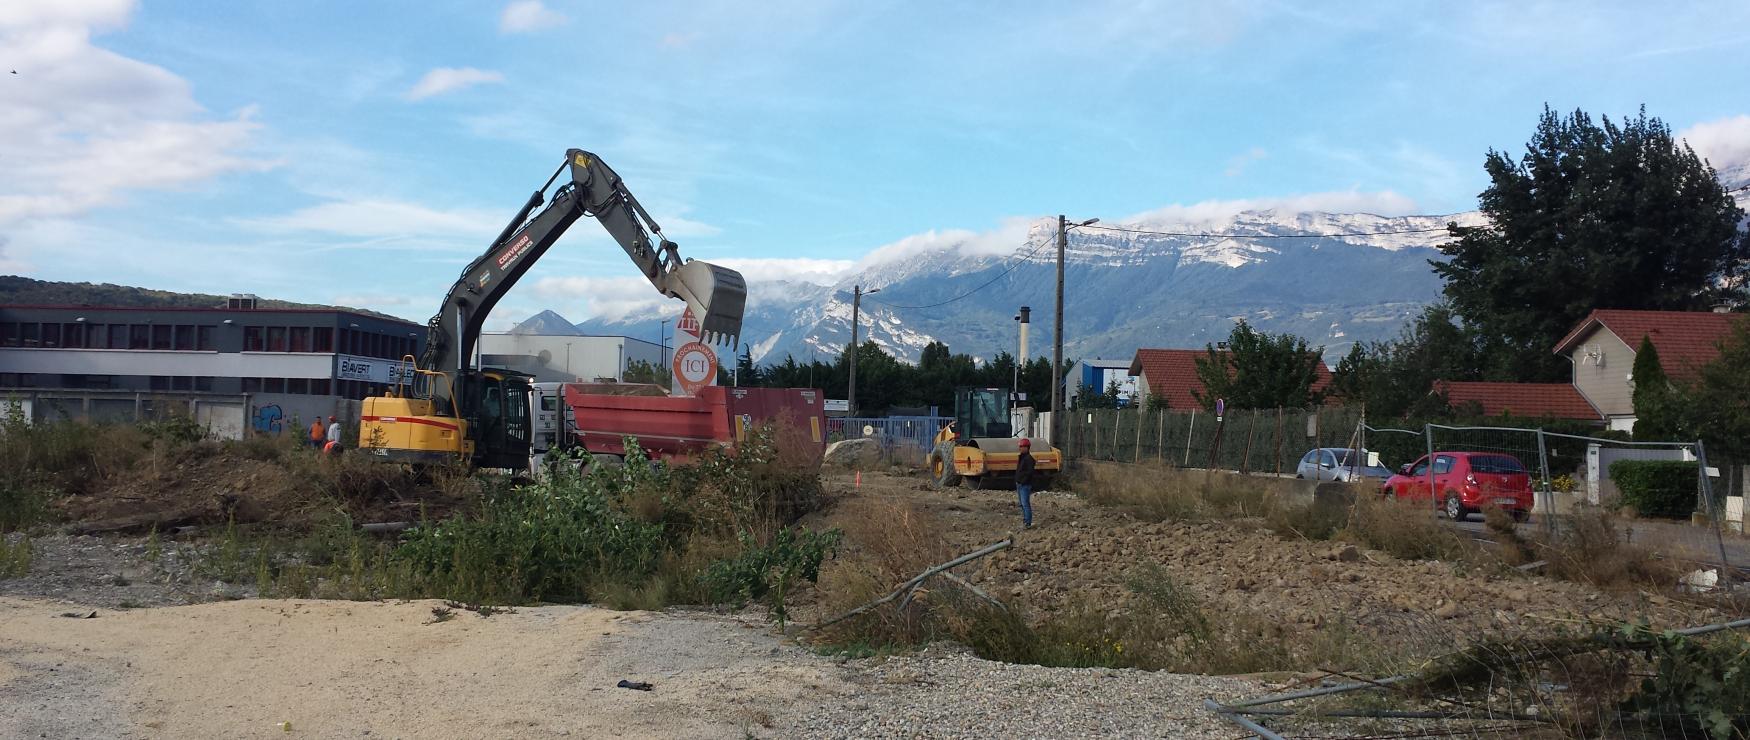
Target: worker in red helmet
<point x="1024" y="482"/>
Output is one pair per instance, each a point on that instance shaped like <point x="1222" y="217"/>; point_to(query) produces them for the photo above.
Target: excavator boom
<point x="717" y="295"/>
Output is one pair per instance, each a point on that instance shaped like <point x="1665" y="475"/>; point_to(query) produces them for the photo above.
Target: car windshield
<point x="1344" y="457"/>
<point x="1495" y="464"/>
<point x="1377" y="471"/>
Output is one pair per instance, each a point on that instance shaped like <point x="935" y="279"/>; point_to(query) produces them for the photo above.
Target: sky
<point x="362" y="153"/>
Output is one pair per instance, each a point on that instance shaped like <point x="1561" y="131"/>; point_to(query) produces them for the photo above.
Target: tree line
<point x="886" y="384"/>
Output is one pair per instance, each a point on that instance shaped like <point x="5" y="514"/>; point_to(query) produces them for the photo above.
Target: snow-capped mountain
<point x="1310" y="273"/>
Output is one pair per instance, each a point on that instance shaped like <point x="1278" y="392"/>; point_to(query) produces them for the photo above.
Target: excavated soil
<point x="1079" y="554"/>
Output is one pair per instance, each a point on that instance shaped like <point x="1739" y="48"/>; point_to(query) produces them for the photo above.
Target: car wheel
<point x="1454" y="508"/>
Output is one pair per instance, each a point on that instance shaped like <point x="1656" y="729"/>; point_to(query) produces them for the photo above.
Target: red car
<point x="1467" y="481"/>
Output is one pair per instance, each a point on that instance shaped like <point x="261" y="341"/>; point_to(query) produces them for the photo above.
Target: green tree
<point x="1259" y="371"/>
<point x="1715" y="408"/>
<point x="1396" y="379"/>
<point x="1654" y="400"/>
<point x="1610" y="215"/>
<point x="639" y="371"/>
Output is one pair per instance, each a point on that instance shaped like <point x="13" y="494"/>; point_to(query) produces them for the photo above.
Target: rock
<point x="1446" y="610"/>
<point x="853" y="452"/>
<point x="1345" y="554"/>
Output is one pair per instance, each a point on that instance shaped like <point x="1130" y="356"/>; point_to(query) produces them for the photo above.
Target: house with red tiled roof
<point x="1172" y="374"/>
<point x="1524" y="400"/>
<point x="1602" y="348"/>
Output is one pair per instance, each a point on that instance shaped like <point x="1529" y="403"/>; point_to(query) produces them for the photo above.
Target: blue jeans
<point x="1025" y="492"/>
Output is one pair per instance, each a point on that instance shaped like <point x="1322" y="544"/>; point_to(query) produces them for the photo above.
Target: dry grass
<point x="1593" y="549"/>
<point x="1158" y="493"/>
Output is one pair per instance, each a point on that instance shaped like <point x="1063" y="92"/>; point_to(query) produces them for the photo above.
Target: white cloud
<point x="1381" y="203"/>
<point x="1724" y="142"/>
<point x="385" y="219"/>
<point x="606" y="297"/>
<point x="804" y="269"/>
<point x="1003" y="239"/>
<point x="524" y="16"/>
<point x="450" y="79"/>
<point x="83" y="125"/>
<point x="1237" y="165"/>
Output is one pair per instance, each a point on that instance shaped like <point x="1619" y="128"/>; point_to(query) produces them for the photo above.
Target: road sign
<point x="695" y="366"/>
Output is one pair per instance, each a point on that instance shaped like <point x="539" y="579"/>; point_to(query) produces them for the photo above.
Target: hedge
<point x="1663" y="488"/>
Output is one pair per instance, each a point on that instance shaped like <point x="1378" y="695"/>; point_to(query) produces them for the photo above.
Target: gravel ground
<point x="942" y="694"/>
<point x="114" y="572"/>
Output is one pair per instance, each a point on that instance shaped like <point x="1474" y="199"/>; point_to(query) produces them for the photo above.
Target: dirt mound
<point x="212" y="484"/>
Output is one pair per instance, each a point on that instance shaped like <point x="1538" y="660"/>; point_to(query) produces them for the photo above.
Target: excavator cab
<point x="495" y="403"/>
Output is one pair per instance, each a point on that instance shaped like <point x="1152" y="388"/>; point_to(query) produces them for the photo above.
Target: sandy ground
<point x="358" y="669"/>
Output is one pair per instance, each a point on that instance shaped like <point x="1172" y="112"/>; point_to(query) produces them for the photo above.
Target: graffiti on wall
<point x="268" y="419"/>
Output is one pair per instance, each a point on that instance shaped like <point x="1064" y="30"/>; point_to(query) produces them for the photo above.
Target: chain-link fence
<point x="903" y="440"/>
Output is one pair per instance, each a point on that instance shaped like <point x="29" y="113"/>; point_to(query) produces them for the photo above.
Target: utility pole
<point x="662" y="343"/>
<point x="857" y="294"/>
<point x="1057" y="338"/>
<point x="1063" y="228"/>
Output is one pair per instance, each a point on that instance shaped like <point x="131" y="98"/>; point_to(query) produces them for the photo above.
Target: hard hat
<point x="1026" y="442"/>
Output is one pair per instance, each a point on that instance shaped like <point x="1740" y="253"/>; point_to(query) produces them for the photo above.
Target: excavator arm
<point x="716" y="295"/>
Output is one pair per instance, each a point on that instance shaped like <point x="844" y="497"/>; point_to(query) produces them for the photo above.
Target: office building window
<point x="276" y="339"/>
<point x="300" y="339"/>
<point x="319" y="387"/>
<point x="51" y="335"/>
<point x="204" y="339"/>
<point x="300" y="386"/>
<point x="203" y="383"/>
<point x="118" y="336"/>
<point x="29" y="334"/>
<point x="184" y="337"/>
<point x="8" y="334"/>
<point x="322" y="340"/>
<point x="73" y="335"/>
<point x="17" y="380"/>
<point x="252" y="385"/>
<point x="161" y="336"/>
<point x="159" y="383"/>
<point x="253" y="339"/>
<point x="355" y="342"/>
<point x="182" y="383"/>
<point x="273" y="385"/>
<point x="139" y="336"/>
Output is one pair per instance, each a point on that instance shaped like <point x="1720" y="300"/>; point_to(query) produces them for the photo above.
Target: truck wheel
<point x="942" y="467"/>
<point x="607" y="461"/>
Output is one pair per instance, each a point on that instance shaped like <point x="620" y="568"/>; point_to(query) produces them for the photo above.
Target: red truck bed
<point x="676" y="428"/>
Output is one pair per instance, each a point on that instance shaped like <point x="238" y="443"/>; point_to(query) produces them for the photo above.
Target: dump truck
<point x="594" y="420"/>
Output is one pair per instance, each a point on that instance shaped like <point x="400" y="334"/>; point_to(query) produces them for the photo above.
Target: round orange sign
<point x="695" y="366"/>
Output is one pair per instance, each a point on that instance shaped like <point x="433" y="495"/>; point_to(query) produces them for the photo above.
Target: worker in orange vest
<point x="317" y="433"/>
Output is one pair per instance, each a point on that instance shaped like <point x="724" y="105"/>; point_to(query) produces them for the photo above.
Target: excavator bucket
<point x="717" y="295"/>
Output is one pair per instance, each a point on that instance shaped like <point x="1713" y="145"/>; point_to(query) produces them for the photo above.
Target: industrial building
<point x="564" y="358"/>
<point x="235" y="368"/>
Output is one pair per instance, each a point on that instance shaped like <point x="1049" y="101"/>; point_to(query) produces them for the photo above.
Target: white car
<point x="1339" y="464"/>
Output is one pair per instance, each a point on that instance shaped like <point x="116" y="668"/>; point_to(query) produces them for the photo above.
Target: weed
<point x="154" y="548"/>
<point x="769" y="571"/>
<point x="16" y="554"/>
<point x="130" y="604"/>
<point x="1592" y="549"/>
<point x="1171" y="494"/>
<point x="441" y="614"/>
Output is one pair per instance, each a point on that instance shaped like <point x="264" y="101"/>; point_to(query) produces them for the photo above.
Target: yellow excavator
<point x="481" y="416"/>
<point x="978" y="448"/>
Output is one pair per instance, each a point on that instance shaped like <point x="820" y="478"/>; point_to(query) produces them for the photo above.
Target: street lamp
<point x="1063" y="228"/>
<point x="857" y="294"/>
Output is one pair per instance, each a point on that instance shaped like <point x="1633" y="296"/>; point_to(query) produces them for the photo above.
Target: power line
<point x="1011" y="268"/>
<point x="1216" y="235"/>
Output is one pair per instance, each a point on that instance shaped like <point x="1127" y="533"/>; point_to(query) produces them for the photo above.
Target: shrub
<point x="1169" y="494"/>
<point x="1659" y="488"/>
<point x="768" y="571"/>
<point x="1592" y="549"/>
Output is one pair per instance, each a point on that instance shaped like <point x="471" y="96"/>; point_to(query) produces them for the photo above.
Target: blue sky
<point x="361" y="153"/>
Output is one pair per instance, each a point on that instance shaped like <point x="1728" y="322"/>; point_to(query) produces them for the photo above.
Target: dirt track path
<point x="355" y="669"/>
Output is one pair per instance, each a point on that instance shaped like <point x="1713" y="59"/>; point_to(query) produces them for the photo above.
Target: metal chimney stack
<point x="1026" y="318"/>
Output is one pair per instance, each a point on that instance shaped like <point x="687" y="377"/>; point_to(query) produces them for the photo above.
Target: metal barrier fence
<point x="905" y="440"/>
<point x="1250" y="440"/>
